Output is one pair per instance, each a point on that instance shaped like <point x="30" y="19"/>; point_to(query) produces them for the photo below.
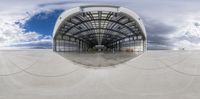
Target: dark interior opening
<point x="99" y="31"/>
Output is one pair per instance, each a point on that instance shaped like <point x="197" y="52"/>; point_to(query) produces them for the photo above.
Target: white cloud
<point x="175" y="13"/>
<point x="12" y="11"/>
<point x="12" y="34"/>
<point x="187" y="36"/>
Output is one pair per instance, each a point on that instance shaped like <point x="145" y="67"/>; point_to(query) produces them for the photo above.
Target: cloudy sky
<point x="170" y="24"/>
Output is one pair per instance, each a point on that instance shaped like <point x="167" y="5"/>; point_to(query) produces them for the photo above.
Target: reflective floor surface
<point x="99" y="59"/>
<point x="44" y="74"/>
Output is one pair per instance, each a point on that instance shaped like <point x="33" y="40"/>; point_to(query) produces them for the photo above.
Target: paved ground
<point x="100" y="59"/>
<point x="43" y="74"/>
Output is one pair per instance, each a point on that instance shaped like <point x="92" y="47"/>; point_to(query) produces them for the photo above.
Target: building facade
<point x="99" y="28"/>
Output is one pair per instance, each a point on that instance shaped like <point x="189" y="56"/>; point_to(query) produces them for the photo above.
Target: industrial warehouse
<point x="100" y="28"/>
<point x="99" y="52"/>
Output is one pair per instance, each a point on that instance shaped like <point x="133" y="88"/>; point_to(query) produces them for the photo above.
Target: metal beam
<point x="99" y="29"/>
<point x="85" y="21"/>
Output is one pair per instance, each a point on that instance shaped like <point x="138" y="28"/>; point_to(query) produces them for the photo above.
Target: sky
<point x="170" y="24"/>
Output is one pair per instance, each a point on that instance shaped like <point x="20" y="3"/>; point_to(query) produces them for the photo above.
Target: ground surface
<point x="43" y="74"/>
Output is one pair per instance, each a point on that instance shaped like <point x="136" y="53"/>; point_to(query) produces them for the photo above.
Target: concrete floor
<point x="99" y="59"/>
<point x="43" y="74"/>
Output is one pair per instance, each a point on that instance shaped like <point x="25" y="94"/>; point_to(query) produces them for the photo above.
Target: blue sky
<point x="170" y="24"/>
<point x="42" y="22"/>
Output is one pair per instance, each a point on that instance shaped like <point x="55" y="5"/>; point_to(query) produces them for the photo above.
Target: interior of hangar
<point x="99" y="28"/>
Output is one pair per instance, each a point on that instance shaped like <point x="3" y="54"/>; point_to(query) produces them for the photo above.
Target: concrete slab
<point x="43" y="74"/>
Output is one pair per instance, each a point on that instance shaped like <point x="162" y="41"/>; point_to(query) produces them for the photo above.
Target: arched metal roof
<point x="99" y="23"/>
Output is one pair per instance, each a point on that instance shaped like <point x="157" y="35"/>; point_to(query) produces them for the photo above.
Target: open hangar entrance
<point x="99" y="28"/>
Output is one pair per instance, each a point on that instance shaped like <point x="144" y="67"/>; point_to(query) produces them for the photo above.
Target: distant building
<point x="87" y="27"/>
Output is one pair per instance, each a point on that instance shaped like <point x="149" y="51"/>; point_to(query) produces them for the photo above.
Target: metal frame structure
<point x="84" y="27"/>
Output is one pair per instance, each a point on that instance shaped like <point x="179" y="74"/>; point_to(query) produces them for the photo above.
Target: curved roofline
<point x="85" y="6"/>
<point x="66" y="14"/>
